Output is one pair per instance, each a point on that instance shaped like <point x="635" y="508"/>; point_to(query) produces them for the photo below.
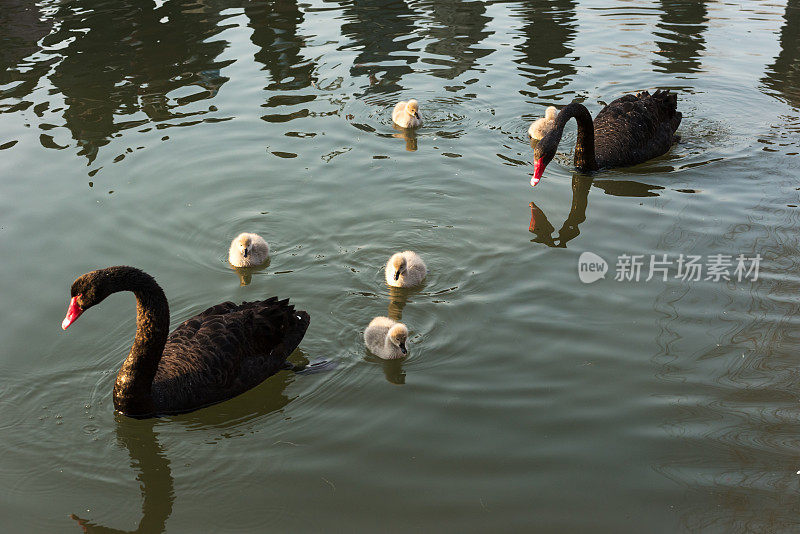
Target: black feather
<point x="635" y="128"/>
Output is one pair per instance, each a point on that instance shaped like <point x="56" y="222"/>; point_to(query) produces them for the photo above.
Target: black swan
<point x="211" y="357"/>
<point x="630" y="130"/>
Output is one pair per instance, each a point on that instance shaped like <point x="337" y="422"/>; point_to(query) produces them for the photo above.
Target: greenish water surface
<point x="150" y="133"/>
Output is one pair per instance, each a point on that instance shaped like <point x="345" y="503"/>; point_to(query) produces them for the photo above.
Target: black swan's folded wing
<point x="224" y="351"/>
<point x="635" y="128"/>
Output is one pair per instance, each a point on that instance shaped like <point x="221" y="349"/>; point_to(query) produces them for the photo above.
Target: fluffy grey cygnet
<point x="248" y="250"/>
<point x="541" y="126"/>
<point x="405" y="269"/>
<point x="386" y="338"/>
<point x="406" y="114"/>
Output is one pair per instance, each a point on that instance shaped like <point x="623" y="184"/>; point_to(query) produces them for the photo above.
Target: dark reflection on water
<point x="627" y="188"/>
<point x="154" y="476"/>
<point x="117" y="63"/>
<point x="457" y="27"/>
<point x="228" y="419"/>
<point x="680" y="36"/>
<point x="21" y="28"/>
<point x="114" y="61"/>
<point x="783" y="76"/>
<point x="275" y="34"/>
<point x="383" y="32"/>
<point x="123" y="57"/>
<point x="541" y="227"/>
<point x="543" y="230"/>
<point x="550" y="28"/>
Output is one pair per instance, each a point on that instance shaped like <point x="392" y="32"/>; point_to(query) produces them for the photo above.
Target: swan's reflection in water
<point x="543" y="230"/>
<point x="246" y="273"/>
<point x="628" y="188"/>
<point x="155" y="478"/>
<point x="541" y="227"/>
<point x="393" y="370"/>
<point x="409" y="134"/>
<point x="224" y="420"/>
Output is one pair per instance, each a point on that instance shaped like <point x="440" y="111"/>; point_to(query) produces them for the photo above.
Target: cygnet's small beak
<point x="244" y="253"/>
<point x="416" y="114"/>
<point x="397" y="275"/>
<point x="403" y="348"/>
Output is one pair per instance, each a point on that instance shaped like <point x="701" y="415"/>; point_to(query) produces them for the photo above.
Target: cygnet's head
<point x="398" y="335"/>
<point x="244" y="244"/>
<point x="398" y="265"/>
<point x="550" y="113"/>
<point x="412" y="108"/>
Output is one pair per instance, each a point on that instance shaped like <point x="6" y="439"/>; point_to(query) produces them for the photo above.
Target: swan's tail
<point x="666" y="108"/>
<point x="299" y="328"/>
<point x="294" y="322"/>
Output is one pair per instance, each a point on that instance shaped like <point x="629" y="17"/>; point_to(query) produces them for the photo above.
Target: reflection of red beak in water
<point x="539" y="224"/>
<point x="534" y="211"/>
<point x="541" y="227"/>
<point x="538" y="170"/>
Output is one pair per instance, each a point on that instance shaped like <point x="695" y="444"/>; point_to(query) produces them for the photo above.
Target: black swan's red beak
<point x="73" y="312"/>
<point x="538" y="170"/>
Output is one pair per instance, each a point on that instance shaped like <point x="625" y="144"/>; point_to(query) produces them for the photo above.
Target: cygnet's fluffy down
<point x="541" y="126"/>
<point x="248" y="250"/>
<point x="386" y="338"/>
<point x="405" y="269"/>
<point x="406" y="114"/>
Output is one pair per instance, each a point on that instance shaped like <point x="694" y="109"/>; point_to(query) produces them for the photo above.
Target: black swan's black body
<point x="630" y="130"/>
<point x="211" y="357"/>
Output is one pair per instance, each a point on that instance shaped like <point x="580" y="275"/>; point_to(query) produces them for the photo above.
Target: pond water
<point x="150" y="133"/>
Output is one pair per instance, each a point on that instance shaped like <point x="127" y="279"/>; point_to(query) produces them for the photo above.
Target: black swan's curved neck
<point x="585" y="159"/>
<point x="133" y="388"/>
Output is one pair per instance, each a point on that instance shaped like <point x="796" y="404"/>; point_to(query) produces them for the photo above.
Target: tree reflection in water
<point x="783" y="76"/>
